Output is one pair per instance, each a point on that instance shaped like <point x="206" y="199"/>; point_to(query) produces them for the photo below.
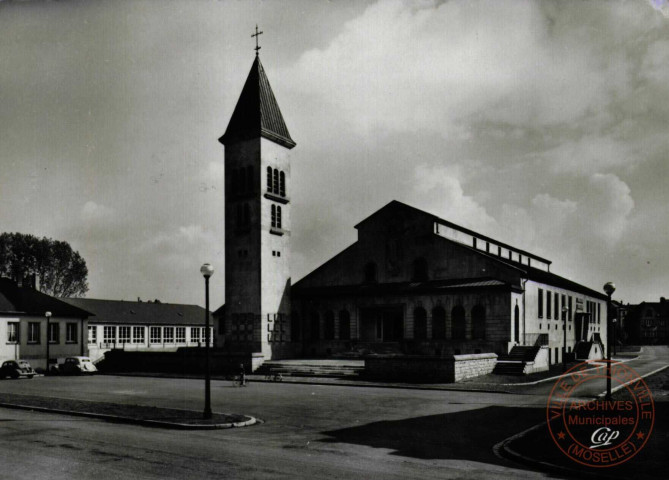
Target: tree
<point x="62" y="272"/>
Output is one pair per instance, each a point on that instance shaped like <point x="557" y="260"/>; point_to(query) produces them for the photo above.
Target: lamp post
<point x="565" y="316"/>
<point x="48" y="317"/>
<point x="207" y="271"/>
<point x="609" y="288"/>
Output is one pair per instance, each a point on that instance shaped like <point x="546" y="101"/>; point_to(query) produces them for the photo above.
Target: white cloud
<point x="93" y="212"/>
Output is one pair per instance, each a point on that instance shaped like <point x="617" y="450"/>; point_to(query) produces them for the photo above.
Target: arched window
<point x="282" y="184"/>
<point x="249" y="179"/>
<point x="344" y="325"/>
<point x="419" y="324"/>
<point x="247" y="214"/>
<point x="458" y="323"/>
<point x="276" y="181"/>
<point x="329" y="327"/>
<point x="438" y="323"/>
<point x="478" y="322"/>
<point x="420" y="269"/>
<point x="295" y="327"/>
<point x="269" y="179"/>
<point x="314" y="326"/>
<point x="234" y="182"/>
<point x="273" y="215"/>
<point x="370" y="272"/>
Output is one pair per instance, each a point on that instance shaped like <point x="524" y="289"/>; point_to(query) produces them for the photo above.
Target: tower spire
<point x="257" y="34"/>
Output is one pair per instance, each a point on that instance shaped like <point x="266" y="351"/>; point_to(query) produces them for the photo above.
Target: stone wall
<point x="414" y="368"/>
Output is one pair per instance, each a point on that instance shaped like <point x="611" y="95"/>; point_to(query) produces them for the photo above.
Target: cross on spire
<point x="256" y="35"/>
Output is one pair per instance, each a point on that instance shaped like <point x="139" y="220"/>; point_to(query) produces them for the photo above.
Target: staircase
<point x="362" y="349"/>
<point x="514" y="362"/>
<point x="313" y="368"/>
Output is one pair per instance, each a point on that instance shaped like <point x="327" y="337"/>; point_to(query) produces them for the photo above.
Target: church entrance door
<point x="382" y="324"/>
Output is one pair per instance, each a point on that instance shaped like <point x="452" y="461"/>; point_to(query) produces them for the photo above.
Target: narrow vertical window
<point x="276" y="181"/>
<point x="548" y="304"/>
<point x="274" y="215"/>
<point x="269" y="179"/>
<point x="282" y="184"/>
<point x="278" y="217"/>
<point x="540" y="304"/>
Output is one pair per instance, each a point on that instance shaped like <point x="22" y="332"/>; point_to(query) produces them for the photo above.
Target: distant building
<point x="648" y="323"/>
<point x="23" y="326"/>
<point x="142" y="326"/>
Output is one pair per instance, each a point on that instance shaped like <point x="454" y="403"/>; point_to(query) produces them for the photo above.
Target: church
<point x="412" y="283"/>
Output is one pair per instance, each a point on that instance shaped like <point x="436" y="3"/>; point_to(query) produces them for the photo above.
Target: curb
<point x="503" y="450"/>
<point x="135" y="421"/>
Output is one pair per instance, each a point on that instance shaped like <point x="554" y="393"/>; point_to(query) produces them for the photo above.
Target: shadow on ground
<point x="465" y="435"/>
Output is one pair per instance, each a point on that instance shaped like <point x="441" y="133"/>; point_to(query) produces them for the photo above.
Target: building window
<point x="33" y="332"/>
<point x="54" y="332"/>
<point x="92" y="334"/>
<point x="329" y="330"/>
<point x="195" y="334"/>
<point x="419" y="324"/>
<point x="315" y="327"/>
<point x="478" y="322"/>
<point x="109" y="334"/>
<point x="344" y="325"/>
<point x="282" y="184"/>
<point x="370" y="272"/>
<point x="420" y="270"/>
<point x="599" y="312"/>
<point x="548" y="304"/>
<point x="168" y="334"/>
<point x="556" y="310"/>
<point x="269" y="179"/>
<point x="137" y="334"/>
<point x="71" y="333"/>
<point x="540" y="304"/>
<point x="458" y="323"/>
<point x="273" y="209"/>
<point x="155" y="334"/>
<point x="278" y="217"/>
<point x="12" y="332"/>
<point x="438" y="323"/>
<point x="276" y="181"/>
<point x="123" y="335"/>
<point x="564" y="310"/>
<point x="181" y="334"/>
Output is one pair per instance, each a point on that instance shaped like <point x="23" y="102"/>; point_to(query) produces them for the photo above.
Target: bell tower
<point x="257" y="223"/>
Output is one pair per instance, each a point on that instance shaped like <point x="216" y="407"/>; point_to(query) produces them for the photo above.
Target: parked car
<point x="76" y="366"/>
<point x="16" y="369"/>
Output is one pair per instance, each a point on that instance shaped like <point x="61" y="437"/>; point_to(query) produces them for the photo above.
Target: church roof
<point x="257" y="112"/>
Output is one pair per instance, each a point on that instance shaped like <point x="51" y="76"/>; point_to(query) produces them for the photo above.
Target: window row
<point x="242" y="182"/>
<point x="137" y="335"/>
<point x="458" y="323"/>
<point x="276" y="182"/>
<point x="35" y="329"/>
<point x="556" y="306"/>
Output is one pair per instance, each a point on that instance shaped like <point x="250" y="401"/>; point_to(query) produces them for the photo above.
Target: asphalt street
<point x="309" y="431"/>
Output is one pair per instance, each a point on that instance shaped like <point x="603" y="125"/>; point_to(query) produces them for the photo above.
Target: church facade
<point x="413" y="283"/>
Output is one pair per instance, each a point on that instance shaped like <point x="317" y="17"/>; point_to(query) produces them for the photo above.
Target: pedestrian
<point x="242" y="375"/>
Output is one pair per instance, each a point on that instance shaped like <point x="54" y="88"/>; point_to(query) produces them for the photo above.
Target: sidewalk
<point x="135" y="414"/>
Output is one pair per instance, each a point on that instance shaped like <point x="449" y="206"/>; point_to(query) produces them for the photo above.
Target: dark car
<point x="16" y="369"/>
<point x="76" y="366"/>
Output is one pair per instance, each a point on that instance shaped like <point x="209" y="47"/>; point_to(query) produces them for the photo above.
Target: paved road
<point x="309" y="432"/>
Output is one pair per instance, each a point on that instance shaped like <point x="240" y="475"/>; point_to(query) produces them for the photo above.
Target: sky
<point x="542" y="124"/>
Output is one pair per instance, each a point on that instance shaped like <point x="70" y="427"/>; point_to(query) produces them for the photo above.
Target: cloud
<point x="92" y="212"/>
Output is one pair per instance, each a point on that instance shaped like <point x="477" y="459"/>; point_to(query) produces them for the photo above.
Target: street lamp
<point x="609" y="288"/>
<point x="207" y="271"/>
<point x="48" y="317"/>
<point x="565" y="316"/>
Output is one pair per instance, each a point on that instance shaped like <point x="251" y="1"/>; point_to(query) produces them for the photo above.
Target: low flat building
<point x="142" y="326"/>
<point x="24" y="332"/>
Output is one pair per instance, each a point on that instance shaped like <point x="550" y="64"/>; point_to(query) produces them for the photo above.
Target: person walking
<point x="242" y="375"/>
